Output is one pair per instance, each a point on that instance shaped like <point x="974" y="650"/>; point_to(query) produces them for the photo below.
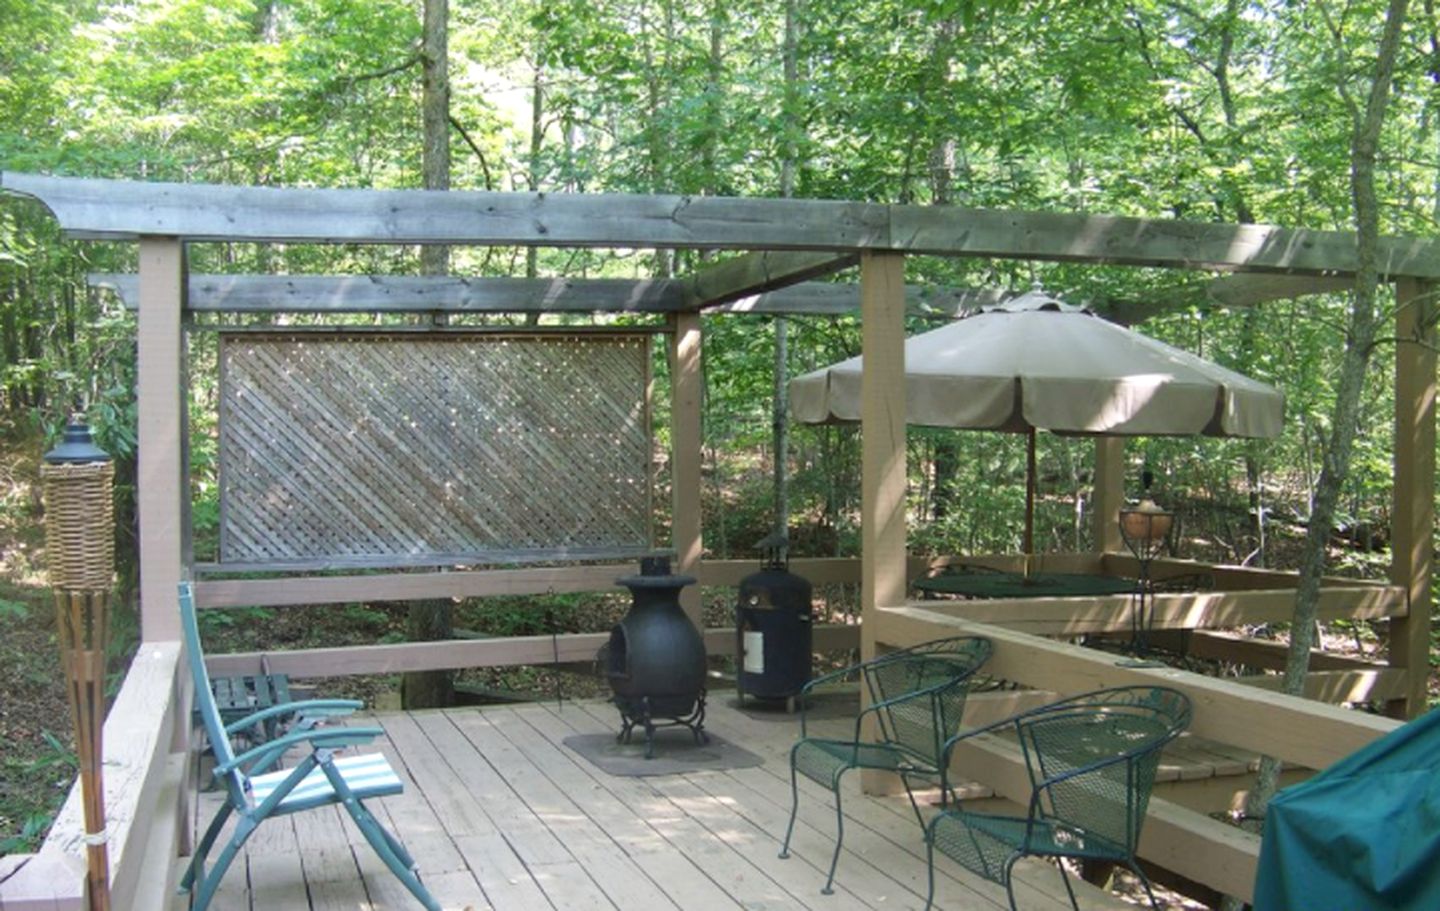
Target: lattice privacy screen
<point x="365" y="449"/>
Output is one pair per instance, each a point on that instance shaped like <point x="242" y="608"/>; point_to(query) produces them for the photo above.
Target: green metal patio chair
<point x="256" y="790"/>
<point x="1092" y="761"/>
<point x="917" y="696"/>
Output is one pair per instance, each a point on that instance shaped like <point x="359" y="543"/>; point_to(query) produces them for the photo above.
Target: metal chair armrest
<point x="308" y="708"/>
<point x="321" y="738"/>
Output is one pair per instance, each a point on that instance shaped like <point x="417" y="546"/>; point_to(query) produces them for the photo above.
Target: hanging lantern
<point x="78" y="479"/>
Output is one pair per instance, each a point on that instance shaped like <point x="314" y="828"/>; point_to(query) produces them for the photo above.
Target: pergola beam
<point x="756" y="273"/>
<point x="413" y="293"/>
<point x="831" y="298"/>
<point x="1250" y="290"/>
<point x="123" y="210"/>
<point x="341" y="294"/>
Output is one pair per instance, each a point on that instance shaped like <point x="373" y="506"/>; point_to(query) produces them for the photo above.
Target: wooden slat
<point x="944" y="230"/>
<point x="342" y="294"/>
<point x="1193" y="610"/>
<point x="1225" y="576"/>
<point x="429" y="561"/>
<point x="1256" y="653"/>
<point x="756" y="273"/>
<point x="825" y="298"/>
<point x="1336" y="687"/>
<point x="412" y="293"/>
<point x="570" y="648"/>
<point x="1250" y="290"/>
<point x="406" y="586"/>
<point x="1295" y="730"/>
<point x="107" y="209"/>
<point x="816" y="570"/>
<point x="482" y="583"/>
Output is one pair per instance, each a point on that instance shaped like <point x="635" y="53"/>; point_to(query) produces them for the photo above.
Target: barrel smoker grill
<point x="773" y="629"/>
<point x="655" y="659"/>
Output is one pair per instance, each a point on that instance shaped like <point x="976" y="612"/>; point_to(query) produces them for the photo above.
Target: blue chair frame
<point x="256" y="789"/>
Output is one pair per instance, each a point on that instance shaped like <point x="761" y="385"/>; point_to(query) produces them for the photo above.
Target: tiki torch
<point x="78" y="478"/>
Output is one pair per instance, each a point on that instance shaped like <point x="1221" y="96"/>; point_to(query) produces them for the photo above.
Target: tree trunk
<point x="789" y="124"/>
<point x="1360" y="341"/>
<point x="431" y="620"/>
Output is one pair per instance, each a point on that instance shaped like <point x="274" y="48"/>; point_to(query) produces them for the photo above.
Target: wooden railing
<point x="147" y="730"/>
<point x="1190" y="843"/>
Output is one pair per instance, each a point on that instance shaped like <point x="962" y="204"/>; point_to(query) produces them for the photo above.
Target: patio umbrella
<point x="1037" y="363"/>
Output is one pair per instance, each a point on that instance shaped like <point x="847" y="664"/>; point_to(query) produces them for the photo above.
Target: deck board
<point x="503" y="817"/>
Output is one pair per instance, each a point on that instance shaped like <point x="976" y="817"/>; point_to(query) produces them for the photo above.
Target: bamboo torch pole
<point x="78" y="479"/>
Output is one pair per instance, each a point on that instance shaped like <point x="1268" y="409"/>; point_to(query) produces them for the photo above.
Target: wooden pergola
<point x="784" y="244"/>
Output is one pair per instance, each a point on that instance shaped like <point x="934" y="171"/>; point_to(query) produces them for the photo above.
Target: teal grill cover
<point x="1363" y="835"/>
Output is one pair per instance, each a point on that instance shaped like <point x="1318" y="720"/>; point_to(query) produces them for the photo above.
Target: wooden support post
<point x="687" y="382"/>
<point x="1109" y="494"/>
<point x="160" y="480"/>
<point x="1412" y="528"/>
<point x="882" y="431"/>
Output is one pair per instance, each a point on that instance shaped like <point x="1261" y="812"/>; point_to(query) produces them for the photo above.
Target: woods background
<point x="1213" y="110"/>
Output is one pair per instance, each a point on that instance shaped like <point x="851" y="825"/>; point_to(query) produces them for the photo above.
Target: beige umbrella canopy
<point x="1037" y="363"/>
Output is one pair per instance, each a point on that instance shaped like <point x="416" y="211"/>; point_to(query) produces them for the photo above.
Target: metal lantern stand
<point x="1143" y="529"/>
<point x="78" y="479"/>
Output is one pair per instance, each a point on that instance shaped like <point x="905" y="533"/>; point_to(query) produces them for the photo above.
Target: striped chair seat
<point x="368" y="775"/>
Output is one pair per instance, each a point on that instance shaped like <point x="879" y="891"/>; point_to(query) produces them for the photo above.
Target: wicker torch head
<point x="79" y="514"/>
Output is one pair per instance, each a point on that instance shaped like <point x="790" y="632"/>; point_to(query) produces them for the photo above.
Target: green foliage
<point x="13" y="610"/>
<point x="1217" y="110"/>
<point x="217" y="622"/>
<point x="529" y="615"/>
<point x="27" y="840"/>
<point x="55" y="764"/>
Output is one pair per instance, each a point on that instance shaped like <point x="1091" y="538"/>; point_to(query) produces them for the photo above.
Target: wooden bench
<point x="239" y="696"/>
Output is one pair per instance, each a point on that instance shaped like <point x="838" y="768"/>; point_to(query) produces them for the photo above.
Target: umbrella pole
<point x="1029" y="499"/>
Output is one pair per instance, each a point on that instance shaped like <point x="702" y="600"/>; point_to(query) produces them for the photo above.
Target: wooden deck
<point x="502" y="815"/>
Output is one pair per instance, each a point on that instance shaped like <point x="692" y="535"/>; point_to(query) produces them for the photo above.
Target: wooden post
<point x="882" y="431"/>
<point x="686" y="385"/>
<point x="1412" y="559"/>
<point x="160" y="478"/>
<point x="1109" y="494"/>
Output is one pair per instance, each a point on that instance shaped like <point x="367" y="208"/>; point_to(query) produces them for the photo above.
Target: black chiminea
<point x="655" y="660"/>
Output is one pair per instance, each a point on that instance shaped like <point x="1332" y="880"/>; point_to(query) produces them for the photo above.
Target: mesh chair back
<point x="235" y="782"/>
<point x="1092" y="759"/>
<point x="936" y="675"/>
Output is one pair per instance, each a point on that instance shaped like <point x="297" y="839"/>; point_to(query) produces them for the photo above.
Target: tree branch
<point x="474" y="147"/>
<point x="414" y="59"/>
